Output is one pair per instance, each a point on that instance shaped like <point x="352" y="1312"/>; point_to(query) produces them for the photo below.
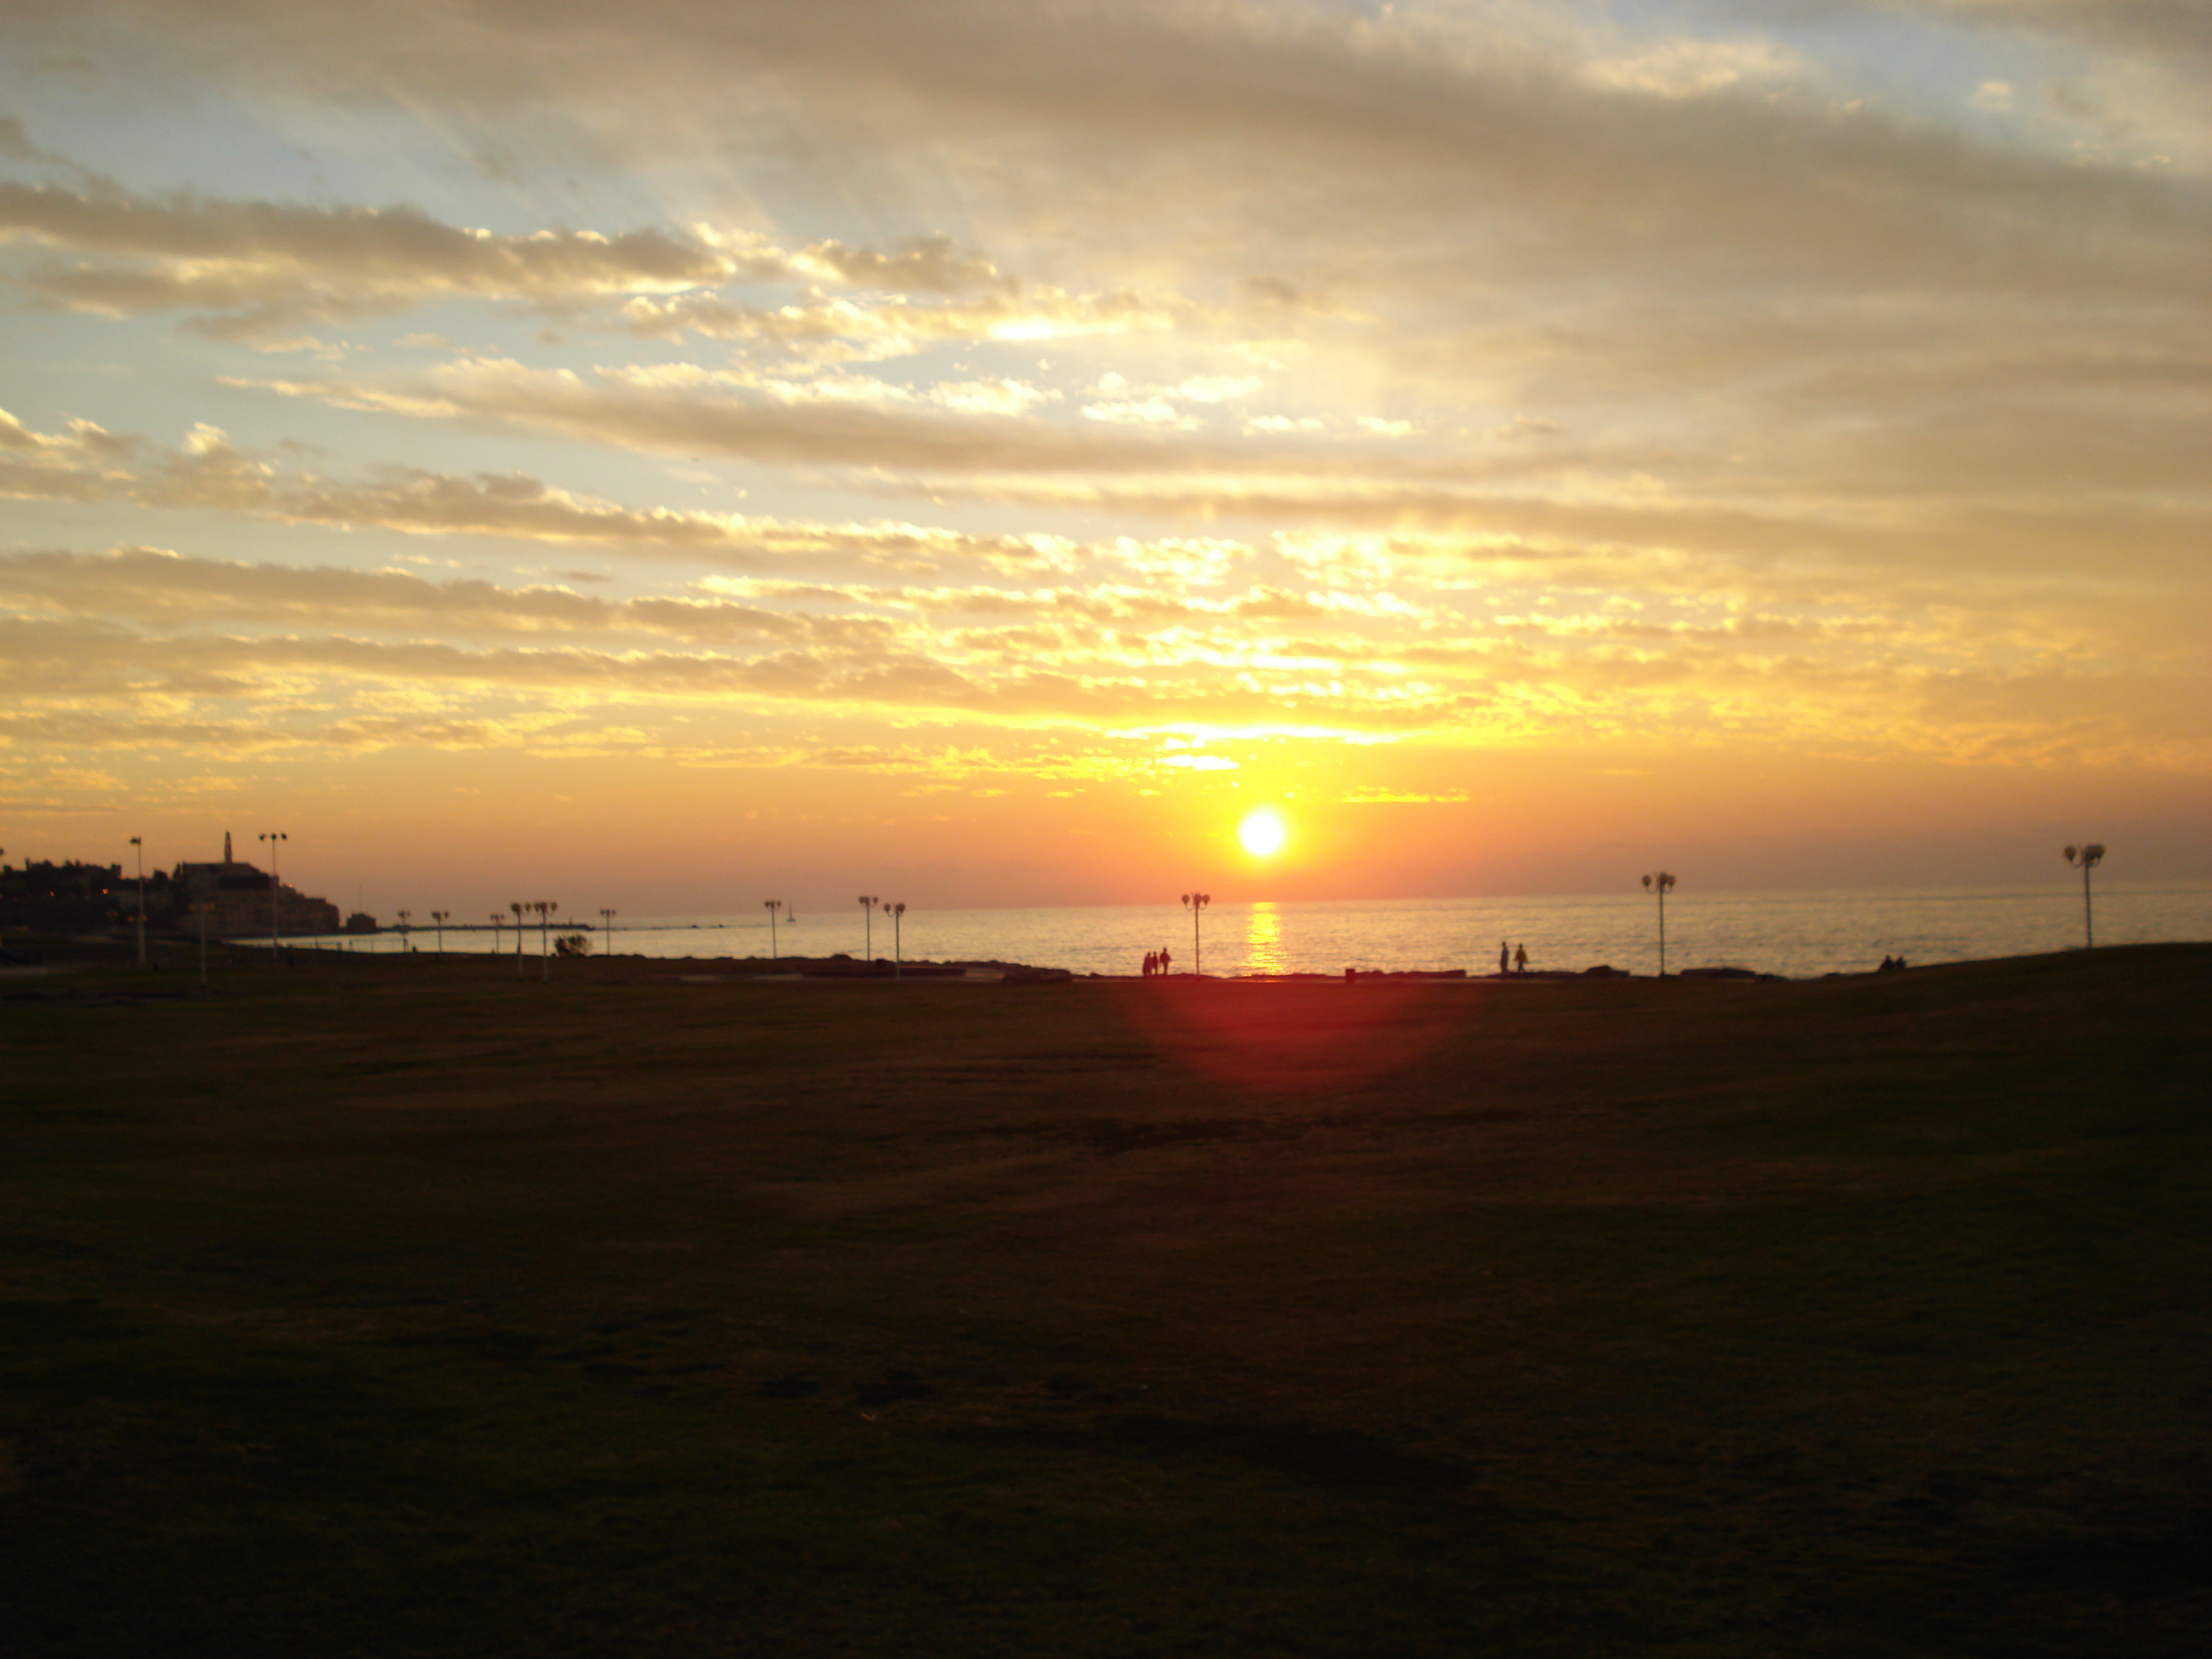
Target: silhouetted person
<point x="1519" y="958"/>
<point x="1165" y="959"/>
<point x="1152" y="962"/>
<point x="1505" y="960"/>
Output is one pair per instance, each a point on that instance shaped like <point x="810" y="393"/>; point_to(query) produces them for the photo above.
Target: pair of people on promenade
<point x="1156" y="963"/>
<point x="1517" y="962"/>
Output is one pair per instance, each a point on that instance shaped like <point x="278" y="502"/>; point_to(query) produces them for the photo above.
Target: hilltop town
<point x="223" y="899"/>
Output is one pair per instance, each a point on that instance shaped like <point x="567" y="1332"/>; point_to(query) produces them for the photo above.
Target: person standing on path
<point x="1504" y="959"/>
<point x="1519" y="958"/>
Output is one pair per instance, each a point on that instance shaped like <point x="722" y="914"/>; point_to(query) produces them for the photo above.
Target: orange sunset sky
<point x="667" y="454"/>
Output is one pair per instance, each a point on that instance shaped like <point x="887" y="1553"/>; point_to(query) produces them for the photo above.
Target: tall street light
<point x="498" y="920"/>
<point x="405" y="916"/>
<point x="2088" y="857"/>
<point x="440" y="918"/>
<point x="771" y="906"/>
<point x="1659" y="884"/>
<point x="545" y="908"/>
<point x="519" y="907"/>
<point x="868" y="903"/>
<point x="139" y="843"/>
<point x="275" y="892"/>
<point x="898" y="956"/>
<point x="607" y="929"/>
<point x="1195" y="902"/>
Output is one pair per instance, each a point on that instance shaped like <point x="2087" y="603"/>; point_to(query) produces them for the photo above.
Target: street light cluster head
<point x="1198" y="901"/>
<point x="2087" y="859"/>
<point x="1660" y="882"/>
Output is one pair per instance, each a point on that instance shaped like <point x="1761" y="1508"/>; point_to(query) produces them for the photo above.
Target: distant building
<point x="79" y="883"/>
<point x="241" y="901"/>
<point x="65" y="896"/>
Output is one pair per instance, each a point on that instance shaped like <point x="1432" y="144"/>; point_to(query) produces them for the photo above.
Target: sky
<point x="673" y="454"/>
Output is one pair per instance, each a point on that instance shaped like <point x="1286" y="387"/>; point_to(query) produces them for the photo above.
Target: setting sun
<point x="1262" y="833"/>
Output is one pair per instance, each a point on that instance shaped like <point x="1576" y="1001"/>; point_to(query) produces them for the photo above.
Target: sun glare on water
<point x="1262" y="833"/>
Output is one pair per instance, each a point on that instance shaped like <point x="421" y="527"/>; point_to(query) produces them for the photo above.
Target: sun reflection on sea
<point x="1263" y="941"/>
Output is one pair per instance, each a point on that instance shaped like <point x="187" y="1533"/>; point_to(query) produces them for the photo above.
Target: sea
<point x="1797" y="935"/>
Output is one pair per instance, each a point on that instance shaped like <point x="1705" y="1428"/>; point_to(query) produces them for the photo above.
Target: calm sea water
<point x="1796" y="934"/>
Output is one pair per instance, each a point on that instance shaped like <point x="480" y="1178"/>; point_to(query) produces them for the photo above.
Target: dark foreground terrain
<point x="393" y="1307"/>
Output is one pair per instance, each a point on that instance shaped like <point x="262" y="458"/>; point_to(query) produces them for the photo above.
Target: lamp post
<point x="518" y="906"/>
<point x="2088" y="857"/>
<point x="1659" y="884"/>
<point x="545" y="908"/>
<point x="440" y="918"/>
<point x="405" y="916"/>
<point x="139" y="843"/>
<point x="868" y="904"/>
<point x="771" y="906"/>
<point x="607" y="929"/>
<point x="275" y="892"/>
<point x="898" y="956"/>
<point x="498" y="920"/>
<point x="1195" y="902"/>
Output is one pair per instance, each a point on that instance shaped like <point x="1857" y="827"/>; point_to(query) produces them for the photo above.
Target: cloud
<point x="846" y="328"/>
<point x="1445" y="127"/>
<point x="2159" y="28"/>
<point x="930" y="264"/>
<point x="694" y="412"/>
<point x="1419" y="335"/>
<point x="262" y="264"/>
<point x="1977" y="556"/>
<point x="15" y="144"/>
<point x="86" y="464"/>
<point x="1374" y="796"/>
<point x="252" y="269"/>
<point x="153" y="587"/>
<point x="99" y="645"/>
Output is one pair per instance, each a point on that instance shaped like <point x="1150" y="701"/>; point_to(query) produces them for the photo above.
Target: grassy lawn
<point x="396" y="1307"/>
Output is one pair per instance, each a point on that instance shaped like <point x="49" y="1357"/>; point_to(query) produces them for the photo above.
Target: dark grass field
<point x="388" y="1307"/>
